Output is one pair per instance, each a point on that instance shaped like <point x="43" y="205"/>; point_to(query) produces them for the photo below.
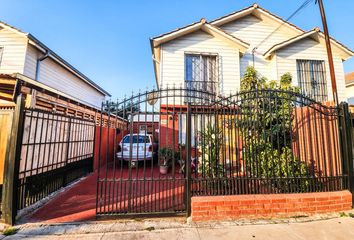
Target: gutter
<point x="38" y="65"/>
<point x="65" y="64"/>
<point x="154" y="61"/>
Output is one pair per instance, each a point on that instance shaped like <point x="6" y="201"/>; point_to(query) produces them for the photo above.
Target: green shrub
<point x="9" y="231"/>
<point x="267" y="114"/>
<point x="210" y="139"/>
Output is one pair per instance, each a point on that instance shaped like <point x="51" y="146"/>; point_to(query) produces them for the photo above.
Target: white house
<point x="214" y="55"/>
<point x="22" y="54"/>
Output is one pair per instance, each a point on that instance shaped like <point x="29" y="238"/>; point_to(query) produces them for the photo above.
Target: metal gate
<point x="186" y="142"/>
<point x="143" y="171"/>
<point x="55" y="150"/>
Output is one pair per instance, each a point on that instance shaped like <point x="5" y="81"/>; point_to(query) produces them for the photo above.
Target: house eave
<point x="55" y="57"/>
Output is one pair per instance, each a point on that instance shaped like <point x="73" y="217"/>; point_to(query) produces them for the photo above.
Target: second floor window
<point x="312" y="79"/>
<point x="201" y="72"/>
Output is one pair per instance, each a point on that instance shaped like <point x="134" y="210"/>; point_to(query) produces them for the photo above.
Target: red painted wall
<point x="107" y="145"/>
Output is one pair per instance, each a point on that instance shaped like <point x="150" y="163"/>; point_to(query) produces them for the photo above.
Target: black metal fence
<point x="190" y="142"/>
<point x="56" y="149"/>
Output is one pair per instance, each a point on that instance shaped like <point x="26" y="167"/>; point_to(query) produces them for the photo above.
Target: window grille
<point x="312" y="79"/>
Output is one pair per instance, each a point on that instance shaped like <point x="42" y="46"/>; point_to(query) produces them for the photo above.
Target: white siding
<point x="31" y="61"/>
<point x="310" y="50"/>
<point x="253" y="31"/>
<point x="57" y="77"/>
<point x="13" y="56"/>
<point x="172" y="67"/>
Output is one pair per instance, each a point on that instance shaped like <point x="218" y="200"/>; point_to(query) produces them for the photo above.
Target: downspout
<point x="38" y="66"/>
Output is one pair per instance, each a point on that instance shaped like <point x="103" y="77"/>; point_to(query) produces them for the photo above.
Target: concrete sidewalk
<point x="335" y="228"/>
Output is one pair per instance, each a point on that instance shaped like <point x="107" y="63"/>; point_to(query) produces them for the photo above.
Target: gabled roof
<point x="201" y="25"/>
<point x="260" y="13"/>
<point x="315" y="34"/>
<point x="42" y="47"/>
<point x="257" y="11"/>
<point x="204" y="26"/>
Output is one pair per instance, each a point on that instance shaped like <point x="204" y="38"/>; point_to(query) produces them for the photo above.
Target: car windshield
<point x="136" y="139"/>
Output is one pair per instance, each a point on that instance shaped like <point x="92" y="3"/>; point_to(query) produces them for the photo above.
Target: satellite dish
<point x="152" y="97"/>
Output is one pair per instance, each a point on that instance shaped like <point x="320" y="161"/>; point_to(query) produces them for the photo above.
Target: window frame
<point x="319" y="92"/>
<point x="215" y="81"/>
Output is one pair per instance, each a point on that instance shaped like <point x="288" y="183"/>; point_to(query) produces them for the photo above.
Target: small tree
<point x="267" y="110"/>
<point x="210" y="139"/>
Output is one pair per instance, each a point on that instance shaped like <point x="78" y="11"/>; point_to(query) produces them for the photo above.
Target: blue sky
<point x="108" y="40"/>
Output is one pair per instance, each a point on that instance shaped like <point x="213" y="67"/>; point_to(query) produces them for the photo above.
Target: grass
<point x="343" y="214"/>
<point x="149" y="229"/>
<point x="9" y="231"/>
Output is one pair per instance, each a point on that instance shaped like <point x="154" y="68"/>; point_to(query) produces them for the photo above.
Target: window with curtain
<point x="201" y="72"/>
<point x="312" y="79"/>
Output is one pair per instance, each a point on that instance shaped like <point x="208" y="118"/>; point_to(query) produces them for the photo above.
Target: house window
<point x="312" y="79"/>
<point x="201" y="72"/>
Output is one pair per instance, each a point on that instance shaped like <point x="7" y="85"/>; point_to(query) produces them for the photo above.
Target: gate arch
<point x="251" y="142"/>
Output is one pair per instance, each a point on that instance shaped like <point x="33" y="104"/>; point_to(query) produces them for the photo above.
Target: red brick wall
<point x="268" y="206"/>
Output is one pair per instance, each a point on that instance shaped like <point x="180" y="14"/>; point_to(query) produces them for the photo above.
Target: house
<point x="49" y="112"/>
<point x="24" y="57"/>
<point x="349" y="87"/>
<point x="212" y="56"/>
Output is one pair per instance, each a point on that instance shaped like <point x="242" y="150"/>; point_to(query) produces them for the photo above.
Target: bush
<point x="266" y="125"/>
<point x="210" y="140"/>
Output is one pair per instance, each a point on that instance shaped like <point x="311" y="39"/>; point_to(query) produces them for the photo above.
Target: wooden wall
<point x="6" y="114"/>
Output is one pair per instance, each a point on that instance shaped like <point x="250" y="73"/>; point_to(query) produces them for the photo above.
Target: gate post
<point x="12" y="164"/>
<point x="347" y="146"/>
<point x="188" y="160"/>
<point x="65" y="175"/>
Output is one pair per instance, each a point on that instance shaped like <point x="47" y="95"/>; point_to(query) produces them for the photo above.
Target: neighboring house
<point x="213" y="56"/>
<point x="349" y="90"/>
<point x="23" y="54"/>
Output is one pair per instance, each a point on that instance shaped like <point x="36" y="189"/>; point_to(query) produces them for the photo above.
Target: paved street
<point x="336" y="228"/>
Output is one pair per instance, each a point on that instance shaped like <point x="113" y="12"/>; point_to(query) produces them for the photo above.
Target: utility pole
<point x="329" y="52"/>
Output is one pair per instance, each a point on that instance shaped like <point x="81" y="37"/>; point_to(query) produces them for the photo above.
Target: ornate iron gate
<point x="185" y="142"/>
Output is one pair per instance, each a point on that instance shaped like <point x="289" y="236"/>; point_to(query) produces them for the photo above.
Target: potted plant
<point x="165" y="157"/>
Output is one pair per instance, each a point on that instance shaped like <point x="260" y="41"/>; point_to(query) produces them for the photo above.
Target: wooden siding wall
<point x="13" y="56"/>
<point x="173" y="65"/>
<point x="253" y="30"/>
<point x="312" y="50"/>
<point x="6" y="114"/>
<point x="57" y="77"/>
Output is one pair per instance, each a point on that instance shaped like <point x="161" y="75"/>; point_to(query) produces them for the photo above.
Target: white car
<point x="136" y="147"/>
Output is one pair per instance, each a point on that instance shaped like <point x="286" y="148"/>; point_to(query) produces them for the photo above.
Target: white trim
<point x="278" y="46"/>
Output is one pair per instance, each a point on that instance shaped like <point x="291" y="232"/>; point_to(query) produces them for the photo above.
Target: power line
<point x="297" y="11"/>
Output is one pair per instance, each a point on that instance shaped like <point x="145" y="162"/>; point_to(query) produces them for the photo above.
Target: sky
<point x="108" y="40"/>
